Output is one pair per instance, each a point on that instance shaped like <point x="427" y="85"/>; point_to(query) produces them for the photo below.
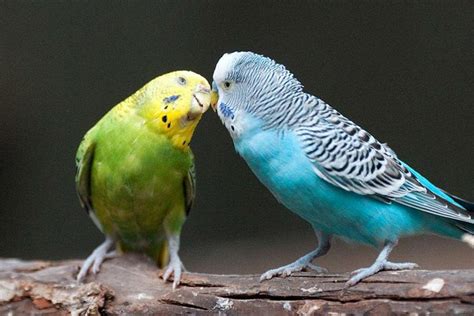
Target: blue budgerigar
<point x="326" y="169"/>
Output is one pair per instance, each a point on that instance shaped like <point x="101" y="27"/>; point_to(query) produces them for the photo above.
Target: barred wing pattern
<point x="347" y="156"/>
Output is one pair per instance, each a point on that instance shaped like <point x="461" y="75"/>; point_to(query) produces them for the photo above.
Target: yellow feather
<point x="168" y="108"/>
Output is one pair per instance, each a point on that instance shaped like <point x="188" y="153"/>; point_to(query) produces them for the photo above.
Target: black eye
<point x="181" y="81"/>
<point x="227" y="84"/>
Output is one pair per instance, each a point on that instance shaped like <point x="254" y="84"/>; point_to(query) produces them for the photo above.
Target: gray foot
<point x="287" y="270"/>
<point x="96" y="258"/>
<point x="360" y="274"/>
<point x="175" y="267"/>
<point x="324" y="243"/>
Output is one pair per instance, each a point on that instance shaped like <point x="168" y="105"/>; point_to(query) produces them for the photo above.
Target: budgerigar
<point x="135" y="170"/>
<point x="327" y="169"/>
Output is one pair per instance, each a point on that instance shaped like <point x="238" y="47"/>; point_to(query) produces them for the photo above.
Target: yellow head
<point x="172" y="104"/>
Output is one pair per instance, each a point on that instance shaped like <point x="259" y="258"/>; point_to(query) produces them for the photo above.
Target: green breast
<point x="136" y="179"/>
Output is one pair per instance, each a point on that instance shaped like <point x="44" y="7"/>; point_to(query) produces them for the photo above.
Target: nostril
<point x="203" y="88"/>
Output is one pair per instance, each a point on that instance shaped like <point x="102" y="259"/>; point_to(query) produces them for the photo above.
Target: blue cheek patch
<point x="226" y="111"/>
<point x="171" y="99"/>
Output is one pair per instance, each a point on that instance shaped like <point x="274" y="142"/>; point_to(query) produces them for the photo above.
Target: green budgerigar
<point x="135" y="170"/>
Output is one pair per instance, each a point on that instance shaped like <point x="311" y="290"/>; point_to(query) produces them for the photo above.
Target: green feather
<point x="134" y="182"/>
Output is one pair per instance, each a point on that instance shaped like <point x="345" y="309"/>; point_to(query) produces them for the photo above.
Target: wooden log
<point x="130" y="284"/>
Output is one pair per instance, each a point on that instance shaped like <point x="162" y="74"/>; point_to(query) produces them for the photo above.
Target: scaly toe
<point x="363" y="273"/>
<point x="167" y="273"/>
<point x="287" y="272"/>
<point x="96" y="266"/>
<point x="82" y="273"/>
<point x="360" y="274"/>
<point x="177" y="278"/>
<point x="95" y="269"/>
<point x="399" y="266"/>
<point x="284" y="271"/>
<point x="356" y="279"/>
<point x="357" y="271"/>
<point x="267" y="275"/>
<point x="316" y="268"/>
<point x="174" y="268"/>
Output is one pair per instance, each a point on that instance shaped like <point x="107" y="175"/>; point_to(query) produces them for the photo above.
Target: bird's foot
<point x="96" y="258"/>
<point x="287" y="270"/>
<point x="360" y="274"/>
<point x="175" y="268"/>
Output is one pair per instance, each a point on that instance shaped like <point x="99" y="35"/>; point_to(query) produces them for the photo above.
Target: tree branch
<point x="130" y="284"/>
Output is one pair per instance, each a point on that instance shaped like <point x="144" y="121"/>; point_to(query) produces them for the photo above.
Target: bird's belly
<point x="134" y="188"/>
<point x="282" y="167"/>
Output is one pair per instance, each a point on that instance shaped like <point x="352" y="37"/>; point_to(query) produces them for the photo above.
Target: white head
<point x="250" y="83"/>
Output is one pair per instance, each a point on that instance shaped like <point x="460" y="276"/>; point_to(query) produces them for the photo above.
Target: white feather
<point x="469" y="239"/>
<point x="224" y="65"/>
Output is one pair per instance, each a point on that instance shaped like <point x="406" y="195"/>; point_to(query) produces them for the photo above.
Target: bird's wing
<point x="348" y="157"/>
<point x="84" y="160"/>
<point x="189" y="186"/>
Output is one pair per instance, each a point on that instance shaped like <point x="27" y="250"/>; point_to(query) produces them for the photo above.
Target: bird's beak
<point x="214" y="96"/>
<point x="200" y="102"/>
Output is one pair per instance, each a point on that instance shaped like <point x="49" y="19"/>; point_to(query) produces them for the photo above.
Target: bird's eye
<point x="227" y="84"/>
<point x="181" y="81"/>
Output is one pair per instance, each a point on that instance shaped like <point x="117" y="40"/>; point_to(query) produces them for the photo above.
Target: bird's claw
<point x="95" y="259"/>
<point x="98" y="261"/>
<point x="360" y="274"/>
<point x="315" y="268"/>
<point x="287" y="270"/>
<point x="174" y="268"/>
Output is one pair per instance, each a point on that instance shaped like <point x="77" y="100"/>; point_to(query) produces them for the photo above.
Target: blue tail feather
<point x="430" y="186"/>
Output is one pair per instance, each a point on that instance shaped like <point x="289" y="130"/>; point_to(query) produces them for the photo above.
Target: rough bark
<point x="131" y="285"/>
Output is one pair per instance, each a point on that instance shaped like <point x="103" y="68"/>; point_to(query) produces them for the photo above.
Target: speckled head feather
<point x="259" y="76"/>
<point x="171" y="104"/>
<point x="243" y="66"/>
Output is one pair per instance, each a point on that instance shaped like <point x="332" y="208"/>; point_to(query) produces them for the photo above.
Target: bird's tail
<point x="159" y="253"/>
<point x="156" y="249"/>
<point x="468" y="237"/>
<point x="469" y="206"/>
<point x="164" y="256"/>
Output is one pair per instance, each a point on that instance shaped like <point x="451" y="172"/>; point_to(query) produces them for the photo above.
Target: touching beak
<point x="200" y="102"/>
<point x="214" y="96"/>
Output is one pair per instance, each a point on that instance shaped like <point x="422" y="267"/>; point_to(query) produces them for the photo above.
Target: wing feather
<point x="189" y="186"/>
<point x="84" y="161"/>
<point x="348" y="157"/>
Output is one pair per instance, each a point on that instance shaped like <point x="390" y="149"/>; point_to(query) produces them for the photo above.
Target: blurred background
<point x="401" y="69"/>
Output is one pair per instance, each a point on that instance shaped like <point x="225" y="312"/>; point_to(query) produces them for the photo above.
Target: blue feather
<point x="430" y="186"/>
<point x="326" y="169"/>
<point x="171" y="98"/>
<point x="277" y="161"/>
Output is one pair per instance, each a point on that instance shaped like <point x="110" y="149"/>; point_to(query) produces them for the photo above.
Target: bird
<point x="327" y="169"/>
<point x="135" y="171"/>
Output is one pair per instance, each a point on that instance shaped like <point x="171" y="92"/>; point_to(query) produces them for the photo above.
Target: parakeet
<point x="135" y="170"/>
<point x="326" y="169"/>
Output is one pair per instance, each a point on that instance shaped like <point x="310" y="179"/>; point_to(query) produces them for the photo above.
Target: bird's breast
<point x="278" y="162"/>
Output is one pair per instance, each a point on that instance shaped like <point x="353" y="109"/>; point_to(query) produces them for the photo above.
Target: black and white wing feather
<point x="348" y="157"/>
